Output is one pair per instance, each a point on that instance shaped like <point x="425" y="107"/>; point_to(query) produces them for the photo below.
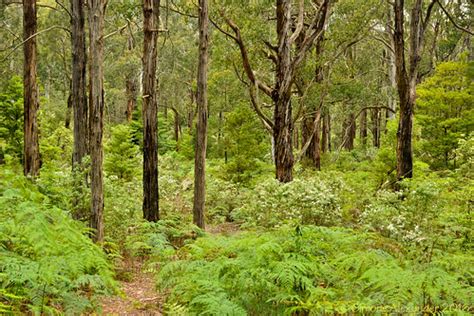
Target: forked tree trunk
<point x="96" y="118"/>
<point x="407" y="76"/>
<point x="79" y="106"/>
<point x="31" y="156"/>
<point x="150" y="111"/>
<point x="201" y="100"/>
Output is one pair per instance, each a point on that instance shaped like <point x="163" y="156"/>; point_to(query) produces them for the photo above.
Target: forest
<point x="236" y="157"/>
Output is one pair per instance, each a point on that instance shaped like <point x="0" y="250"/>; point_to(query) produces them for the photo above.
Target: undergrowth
<point x="313" y="270"/>
<point x="48" y="264"/>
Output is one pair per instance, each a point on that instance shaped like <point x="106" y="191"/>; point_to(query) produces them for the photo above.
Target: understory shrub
<point x="302" y="201"/>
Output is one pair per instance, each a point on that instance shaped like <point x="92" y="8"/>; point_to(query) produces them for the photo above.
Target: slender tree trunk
<point x="31" y="156"/>
<point x="79" y="106"/>
<point x="363" y="127"/>
<point x="96" y="118"/>
<point x="201" y="137"/>
<point x="150" y="111"/>
<point x="376" y="127"/>
<point x="67" y="121"/>
<point x="325" y="134"/>
<point x="131" y="93"/>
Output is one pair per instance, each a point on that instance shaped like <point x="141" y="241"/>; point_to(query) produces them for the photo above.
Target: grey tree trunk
<point x="96" y="107"/>
<point x="201" y="135"/>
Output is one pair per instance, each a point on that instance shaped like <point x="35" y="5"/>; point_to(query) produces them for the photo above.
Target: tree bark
<point x="201" y="100"/>
<point x="79" y="105"/>
<point x="96" y="118"/>
<point x="363" y="127"/>
<point x="150" y="111"/>
<point x="31" y="155"/>
<point x="283" y="123"/>
<point x="407" y="78"/>
<point x="131" y="93"/>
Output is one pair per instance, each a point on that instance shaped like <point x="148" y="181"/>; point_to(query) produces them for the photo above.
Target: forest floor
<point x="140" y="296"/>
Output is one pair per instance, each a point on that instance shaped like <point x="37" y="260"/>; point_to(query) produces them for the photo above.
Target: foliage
<point x="11" y="118"/>
<point x="122" y="155"/>
<point x="47" y="262"/>
<point x="302" y="201"/>
<point x="309" y="270"/>
<point x="446" y="112"/>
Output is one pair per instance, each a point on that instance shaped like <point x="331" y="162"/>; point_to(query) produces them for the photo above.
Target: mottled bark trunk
<point x="131" y="93"/>
<point x="363" y="127"/>
<point x="201" y="136"/>
<point x="283" y="125"/>
<point x="96" y="118"/>
<point x="31" y="156"/>
<point x="79" y="107"/>
<point x="150" y="111"/>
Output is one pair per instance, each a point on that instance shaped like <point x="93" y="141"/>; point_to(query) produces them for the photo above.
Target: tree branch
<point x="245" y="59"/>
<point x="452" y="20"/>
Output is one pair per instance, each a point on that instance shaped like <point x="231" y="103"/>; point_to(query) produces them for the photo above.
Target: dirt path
<point x="140" y="296"/>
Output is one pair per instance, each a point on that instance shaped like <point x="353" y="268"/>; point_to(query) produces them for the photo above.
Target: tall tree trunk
<point x="150" y="111"/>
<point x="79" y="106"/>
<point x="407" y="78"/>
<point x="131" y="93"/>
<point x="201" y="137"/>
<point x="363" y="127"/>
<point x="31" y="156"/>
<point x="96" y="118"/>
<point x="283" y="125"/>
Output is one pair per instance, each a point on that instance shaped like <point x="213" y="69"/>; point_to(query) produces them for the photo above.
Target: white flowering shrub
<point x="302" y="201"/>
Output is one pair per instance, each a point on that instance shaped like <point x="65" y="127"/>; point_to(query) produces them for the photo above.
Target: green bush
<point x="47" y="262"/>
<point x="122" y="158"/>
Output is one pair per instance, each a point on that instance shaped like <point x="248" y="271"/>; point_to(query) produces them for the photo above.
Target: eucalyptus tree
<point x="407" y="75"/>
<point x="96" y="19"/>
<point x="31" y="155"/>
<point x="151" y="23"/>
<point x="202" y="112"/>
<point x="286" y="62"/>
<point x="79" y="95"/>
